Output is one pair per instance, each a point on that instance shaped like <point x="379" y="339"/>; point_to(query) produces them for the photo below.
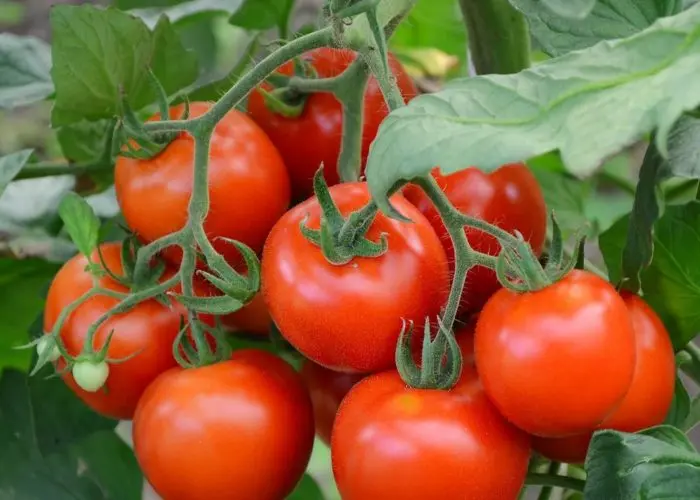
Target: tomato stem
<point x="546" y="491"/>
<point x="547" y="479"/>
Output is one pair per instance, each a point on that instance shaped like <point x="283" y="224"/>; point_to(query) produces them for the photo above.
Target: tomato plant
<point x="508" y="197"/>
<point x="448" y="444"/>
<point x="313" y="138"/>
<point x="506" y="256"/>
<point x="189" y="422"/>
<point x="409" y="281"/>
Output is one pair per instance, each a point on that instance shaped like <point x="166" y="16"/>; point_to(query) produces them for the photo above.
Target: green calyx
<point x="342" y="239"/>
<point x="519" y="269"/>
<point x="441" y="358"/>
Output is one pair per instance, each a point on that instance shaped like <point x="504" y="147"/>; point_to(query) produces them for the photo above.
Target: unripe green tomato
<point x="47" y="343"/>
<point x="90" y="376"/>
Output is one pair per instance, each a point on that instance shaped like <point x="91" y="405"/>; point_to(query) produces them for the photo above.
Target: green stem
<point x="147" y="252"/>
<point x="387" y="84"/>
<point x="546" y="479"/>
<point x="499" y="40"/>
<point x="546" y="491"/>
<point x="36" y="170"/>
<point x="351" y="95"/>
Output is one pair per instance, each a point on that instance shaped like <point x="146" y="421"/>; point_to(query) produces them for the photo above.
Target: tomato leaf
<point x="619" y="463"/>
<point x="21" y="285"/>
<point x="263" y="15"/>
<point x="680" y="406"/>
<point x="679" y="482"/>
<point x="570" y="9"/>
<point x="100" y="54"/>
<point x="433" y="24"/>
<point x="80" y="220"/>
<point x="52" y="446"/>
<point x="25" y="63"/>
<point x="693" y="418"/>
<point x="671" y="435"/>
<point x="11" y="165"/>
<point x="559" y="104"/>
<point x="84" y="141"/>
<point x="307" y="489"/>
<point x="558" y="34"/>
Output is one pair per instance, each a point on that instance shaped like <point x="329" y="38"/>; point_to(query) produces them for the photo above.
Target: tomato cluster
<point x="541" y="369"/>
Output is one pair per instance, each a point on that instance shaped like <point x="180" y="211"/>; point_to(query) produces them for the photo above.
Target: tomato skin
<point x="314" y="137"/>
<point x="558" y="361"/>
<point x="148" y="329"/>
<point x="348" y="318"/>
<point x="243" y="161"/>
<point x="649" y="398"/>
<point x="240" y="429"/>
<point x="327" y="389"/>
<point x="252" y="318"/>
<point x="444" y="444"/>
<point x="509" y="197"/>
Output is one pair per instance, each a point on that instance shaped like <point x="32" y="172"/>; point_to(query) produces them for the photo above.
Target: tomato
<point x="248" y="186"/>
<point x="327" y="389"/>
<point x="240" y="429"/>
<point x="648" y="399"/>
<point x="147" y="331"/>
<point x="348" y="318"/>
<point x="509" y="197"/>
<point x="314" y="137"/>
<point x="252" y="318"/>
<point x="392" y="441"/>
<point x="558" y="361"/>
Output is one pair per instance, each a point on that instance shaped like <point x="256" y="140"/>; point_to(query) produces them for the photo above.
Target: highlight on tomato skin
<point x="509" y="197"/>
<point x="348" y="317"/>
<point x="322" y="119"/>
<point x="235" y="430"/>
<point x="524" y="342"/>
<point x="650" y="395"/>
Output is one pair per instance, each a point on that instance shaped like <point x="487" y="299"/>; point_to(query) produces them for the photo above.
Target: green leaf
<point x="632" y="86"/>
<point x="181" y="12"/>
<point x="433" y="24"/>
<point x="693" y="415"/>
<point x="609" y="19"/>
<point x="619" y="463"/>
<point x="52" y="446"/>
<point x="570" y="9"/>
<point x="263" y="15"/>
<point x="21" y="285"/>
<point x="612" y="245"/>
<point x="25" y="63"/>
<point x="98" y="54"/>
<point x="138" y="4"/>
<point x="671" y="284"/>
<point x="10" y="166"/>
<point x="671" y="435"/>
<point x="680" y="406"/>
<point x="307" y="489"/>
<point x="84" y="141"/>
<point x="677" y="482"/>
<point x="80" y="221"/>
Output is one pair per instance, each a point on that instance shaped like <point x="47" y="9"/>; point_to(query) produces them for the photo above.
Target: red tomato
<point x="391" y="441"/>
<point x="348" y="318"/>
<point x="253" y="318"/>
<point x="148" y="329"/>
<point x="556" y="362"/>
<point x="240" y="429"/>
<point x="327" y="389"/>
<point x="649" y="398"/>
<point x="314" y="137"/>
<point x="248" y="186"/>
<point x="509" y="197"/>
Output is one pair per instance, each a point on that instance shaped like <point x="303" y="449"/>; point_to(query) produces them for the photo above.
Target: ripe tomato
<point x="556" y="362"/>
<point x="649" y="397"/>
<point x="253" y="318"/>
<point x="327" y="389"/>
<point x="240" y="429"/>
<point x="314" y="137"/>
<point x="509" y="197"/>
<point x="444" y="444"/>
<point x="148" y="330"/>
<point x="348" y="318"/>
<point x="248" y="185"/>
